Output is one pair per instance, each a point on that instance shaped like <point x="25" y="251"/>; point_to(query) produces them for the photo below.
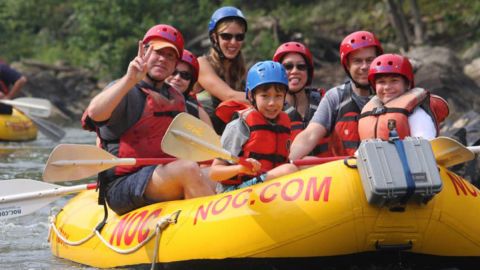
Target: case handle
<point x="393" y="247"/>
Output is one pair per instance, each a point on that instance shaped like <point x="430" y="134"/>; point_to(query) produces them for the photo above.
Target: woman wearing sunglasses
<point x="183" y="79"/>
<point x="222" y="71"/>
<point x="301" y="101"/>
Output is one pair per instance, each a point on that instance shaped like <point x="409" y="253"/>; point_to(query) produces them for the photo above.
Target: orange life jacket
<point x="375" y="115"/>
<point x="268" y="143"/>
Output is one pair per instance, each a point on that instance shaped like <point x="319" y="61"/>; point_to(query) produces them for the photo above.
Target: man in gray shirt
<point x="337" y="113"/>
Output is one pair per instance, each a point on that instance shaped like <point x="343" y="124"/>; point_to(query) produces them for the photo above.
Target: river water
<point x="23" y="240"/>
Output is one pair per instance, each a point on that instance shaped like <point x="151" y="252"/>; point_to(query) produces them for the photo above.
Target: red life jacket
<point x="299" y="123"/>
<point x="268" y="143"/>
<point x="438" y="108"/>
<point x="227" y="109"/>
<point x="344" y="139"/>
<point x="144" y="138"/>
<point x="375" y="115"/>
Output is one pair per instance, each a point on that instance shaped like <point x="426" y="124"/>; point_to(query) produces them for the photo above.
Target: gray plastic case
<point x="382" y="173"/>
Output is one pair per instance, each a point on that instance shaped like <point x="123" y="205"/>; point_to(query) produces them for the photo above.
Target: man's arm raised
<point x="102" y="105"/>
<point x="306" y="140"/>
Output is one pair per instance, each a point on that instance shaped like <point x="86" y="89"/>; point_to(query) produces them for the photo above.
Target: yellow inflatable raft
<point x="315" y="213"/>
<point x="17" y="127"/>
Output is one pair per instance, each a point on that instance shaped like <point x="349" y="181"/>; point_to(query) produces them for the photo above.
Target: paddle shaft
<point x="70" y="162"/>
<point x="55" y="192"/>
<point x="19" y="197"/>
<point x="32" y="106"/>
<point x="225" y="154"/>
<point x="115" y="162"/>
<point x="474" y="149"/>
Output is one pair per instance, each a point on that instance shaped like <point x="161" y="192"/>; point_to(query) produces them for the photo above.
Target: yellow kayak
<point x="315" y="213"/>
<point x="17" y="127"/>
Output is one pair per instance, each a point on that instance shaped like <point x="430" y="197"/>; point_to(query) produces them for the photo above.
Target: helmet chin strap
<point x="217" y="48"/>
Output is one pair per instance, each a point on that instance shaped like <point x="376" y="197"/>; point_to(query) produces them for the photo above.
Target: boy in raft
<point x="416" y="112"/>
<point x="260" y="135"/>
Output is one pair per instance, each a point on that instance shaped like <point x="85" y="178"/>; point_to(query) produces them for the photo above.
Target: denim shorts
<point x="127" y="192"/>
<point x="256" y="180"/>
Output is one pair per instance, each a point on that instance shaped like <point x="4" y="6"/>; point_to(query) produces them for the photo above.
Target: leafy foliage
<point x="102" y="35"/>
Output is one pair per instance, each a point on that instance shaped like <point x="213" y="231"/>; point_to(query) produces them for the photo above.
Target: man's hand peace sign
<point x="137" y="69"/>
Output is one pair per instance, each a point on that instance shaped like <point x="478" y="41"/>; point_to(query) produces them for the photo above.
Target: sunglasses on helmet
<point x="228" y="36"/>
<point x="290" y="66"/>
<point x="183" y="74"/>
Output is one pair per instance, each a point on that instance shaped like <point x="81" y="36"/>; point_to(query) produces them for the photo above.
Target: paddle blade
<point x="74" y="152"/>
<point x="19" y="197"/>
<point x="190" y="138"/>
<point x="49" y="129"/>
<point x="449" y="152"/>
<point x="32" y="106"/>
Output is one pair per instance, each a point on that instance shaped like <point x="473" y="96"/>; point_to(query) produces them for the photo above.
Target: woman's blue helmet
<point x="265" y="72"/>
<point x="225" y="13"/>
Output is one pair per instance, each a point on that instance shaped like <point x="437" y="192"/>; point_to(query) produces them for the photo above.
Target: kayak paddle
<point x="39" y="107"/>
<point x="20" y="197"/>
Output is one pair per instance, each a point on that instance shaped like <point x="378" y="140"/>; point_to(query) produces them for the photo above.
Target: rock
<point x="440" y="71"/>
<point x="472" y="52"/>
<point x="472" y="70"/>
<point x="70" y="89"/>
<point x="466" y="129"/>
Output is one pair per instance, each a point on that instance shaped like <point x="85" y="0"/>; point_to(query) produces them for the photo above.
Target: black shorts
<point x="127" y="192"/>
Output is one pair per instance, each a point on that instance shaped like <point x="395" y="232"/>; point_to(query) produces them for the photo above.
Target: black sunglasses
<point x="228" y="36"/>
<point x="183" y="74"/>
<point x="290" y="66"/>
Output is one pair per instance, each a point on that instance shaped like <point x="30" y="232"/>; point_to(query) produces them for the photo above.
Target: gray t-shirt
<point x="235" y="135"/>
<point x="330" y="104"/>
<point x="128" y="111"/>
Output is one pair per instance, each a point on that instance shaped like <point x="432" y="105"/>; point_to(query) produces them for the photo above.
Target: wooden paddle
<point x="39" y="107"/>
<point x="71" y="162"/>
<point x="187" y="137"/>
<point x="20" y="197"/>
<point x="448" y="152"/>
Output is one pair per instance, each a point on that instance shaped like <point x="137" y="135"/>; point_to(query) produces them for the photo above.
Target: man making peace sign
<point x="132" y="115"/>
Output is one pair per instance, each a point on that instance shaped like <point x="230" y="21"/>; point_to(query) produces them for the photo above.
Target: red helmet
<point x="391" y="64"/>
<point x="192" y="61"/>
<point x="358" y="40"/>
<point x="296" y="47"/>
<point x="167" y="33"/>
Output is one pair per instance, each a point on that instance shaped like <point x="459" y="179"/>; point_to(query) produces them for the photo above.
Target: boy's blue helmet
<point x="265" y="72"/>
<point x="225" y="13"/>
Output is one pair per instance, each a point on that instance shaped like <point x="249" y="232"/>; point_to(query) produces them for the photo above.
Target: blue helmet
<point x="265" y="72"/>
<point x="225" y="13"/>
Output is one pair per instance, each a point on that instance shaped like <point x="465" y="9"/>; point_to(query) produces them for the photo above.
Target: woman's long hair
<point x="235" y="77"/>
